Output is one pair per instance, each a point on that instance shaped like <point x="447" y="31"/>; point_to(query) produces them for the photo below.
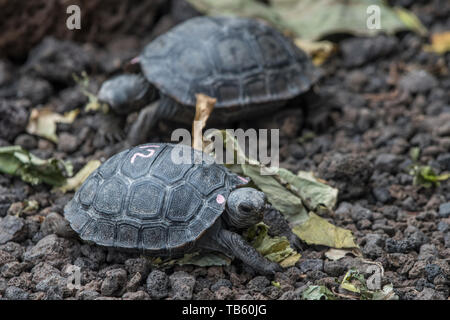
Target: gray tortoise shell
<point x="139" y="199"/>
<point x="239" y="61"/>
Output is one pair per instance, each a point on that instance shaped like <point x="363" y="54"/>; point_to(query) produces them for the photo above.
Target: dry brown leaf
<point x="75" y="182"/>
<point x="440" y="43"/>
<point x="319" y="51"/>
<point x="203" y="109"/>
<point x="43" y="121"/>
<point x="337" y="254"/>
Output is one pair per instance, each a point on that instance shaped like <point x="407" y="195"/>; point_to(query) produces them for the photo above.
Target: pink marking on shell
<point x="243" y="179"/>
<point x="220" y="199"/>
<point x="135" y="60"/>
<point x="150" y="153"/>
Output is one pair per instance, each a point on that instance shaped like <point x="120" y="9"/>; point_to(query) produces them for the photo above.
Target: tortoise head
<point x="245" y="207"/>
<point x="127" y="93"/>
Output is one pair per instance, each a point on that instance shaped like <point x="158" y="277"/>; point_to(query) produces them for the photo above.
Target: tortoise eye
<point x="245" y="208"/>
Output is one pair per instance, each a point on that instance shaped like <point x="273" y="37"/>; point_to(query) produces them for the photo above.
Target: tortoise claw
<point x="109" y="130"/>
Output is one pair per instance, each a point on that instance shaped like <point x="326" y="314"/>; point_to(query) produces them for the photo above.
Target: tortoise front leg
<point x="234" y="244"/>
<point x="109" y="129"/>
<point x="280" y="227"/>
<point x="164" y="108"/>
<point x="140" y="129"/>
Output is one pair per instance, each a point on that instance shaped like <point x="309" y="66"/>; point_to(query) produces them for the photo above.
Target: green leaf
<point x="411" y="21"/>
<point x="318" y="293"/>
<point x="243" y="8"/>
<point x="294" y="195"/>
<point x="277" y="190"/>
<point x="276" y="284"/>
<point x="386" y="294"/>
<point x="93" y="102"/>
<point x="317" y="19"/>
<point x="291" y="194"/>
<point x="317" y="230"/>
<point x="276" y="249"/>
<point x="279" y="194"/>
<point x="313" y="192"/>
<point x="355" y="282"/>
<point x="204" y="260"/>
<point x="346" y="283"/>
<point x="30" y="206"/>
<point x="196" y="259"/>
<point x="75" y="182"/>
<point x="414" y="153"/>
<point x="425" y="176"/>
<point x="306" y="137"/>
<point x="15" y="160"/>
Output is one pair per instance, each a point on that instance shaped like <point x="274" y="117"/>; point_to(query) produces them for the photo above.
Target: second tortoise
<point x="247" y="65"/>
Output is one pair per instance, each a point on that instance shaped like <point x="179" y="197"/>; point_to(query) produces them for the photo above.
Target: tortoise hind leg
<point x="234" y="244"/>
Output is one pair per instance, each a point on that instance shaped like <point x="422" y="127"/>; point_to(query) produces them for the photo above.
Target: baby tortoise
<point x="247" y="65"/>
<point x="141" y="199"/>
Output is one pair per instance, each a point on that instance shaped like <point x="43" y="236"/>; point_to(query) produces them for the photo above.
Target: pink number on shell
<point x="220" y="199"/>
<point x="148" y="155"/>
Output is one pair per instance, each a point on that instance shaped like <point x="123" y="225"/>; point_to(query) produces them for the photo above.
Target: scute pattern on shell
<point x="239" y="61"/>
<point x="139" y="199"/>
